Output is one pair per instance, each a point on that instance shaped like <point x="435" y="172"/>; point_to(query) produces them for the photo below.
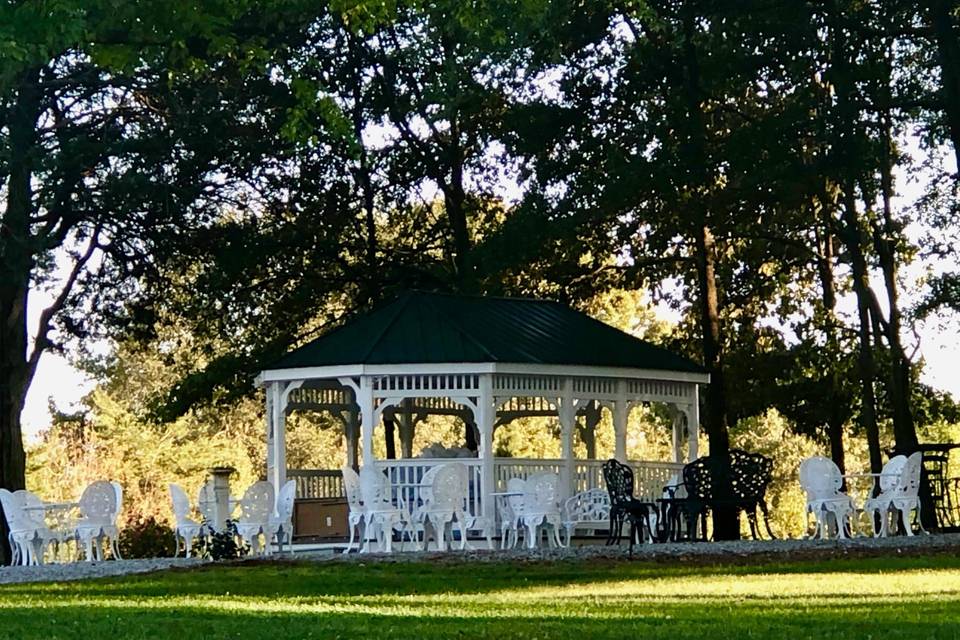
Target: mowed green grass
<point x="869" y="598"/>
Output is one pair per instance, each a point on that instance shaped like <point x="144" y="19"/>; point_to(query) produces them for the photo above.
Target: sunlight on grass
<point x="894" y="598"/>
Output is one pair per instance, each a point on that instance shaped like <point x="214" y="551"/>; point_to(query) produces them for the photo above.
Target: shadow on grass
<point x="299" y="579"/>
<point x="677" y="621"/>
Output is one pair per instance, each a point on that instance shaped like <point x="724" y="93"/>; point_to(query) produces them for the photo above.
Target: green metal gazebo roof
<point x="432" y="328"/>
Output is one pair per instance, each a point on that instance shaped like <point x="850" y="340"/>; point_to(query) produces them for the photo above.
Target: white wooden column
<point x="678" y="415"/>
<point x="278" y="473"/>
<point x="693" y="425"/>
<point x="269" y="392"/>
<point x="621" y="412"/>
<point x="485" y="415"/>
<point x="368" y="417"/>
<point x="567" y="411"/>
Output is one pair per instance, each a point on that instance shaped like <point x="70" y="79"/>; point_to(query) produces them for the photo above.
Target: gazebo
<point x="487" y="361"/>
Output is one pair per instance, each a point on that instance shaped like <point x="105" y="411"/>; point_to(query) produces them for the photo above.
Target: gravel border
<point x="87" y="570"/>
<point x="735" y="552"/>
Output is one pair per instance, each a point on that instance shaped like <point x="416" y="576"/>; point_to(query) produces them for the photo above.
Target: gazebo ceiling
<point x="432" y="328"/>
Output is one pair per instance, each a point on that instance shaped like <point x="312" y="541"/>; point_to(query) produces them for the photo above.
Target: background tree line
<point x="230" y="179"/>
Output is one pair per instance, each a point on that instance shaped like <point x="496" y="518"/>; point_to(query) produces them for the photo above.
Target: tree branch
<point x="42" y="341"/>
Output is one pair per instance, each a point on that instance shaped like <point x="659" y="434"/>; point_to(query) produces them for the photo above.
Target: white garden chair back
<point x="256" y="507"/>
<point x="98" y="510"/>
<point x="351" y="487"/>
<point x="374" y="488"/>
<point x="281" y="522"/>
<point x="511" y="513"/>
<point x="821" y="480"/>
<point x="541" y="507"/>
<point x="890" y="476"/>
<point x="445" y="503"/>
<point x="381" y="517"/>
<point x="900" y="484"/>
<point x="893" y="472"/>
<point x="185" y="527"/>
<point x="28" y="535"/>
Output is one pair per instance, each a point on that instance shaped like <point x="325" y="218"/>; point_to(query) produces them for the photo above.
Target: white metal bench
<point x="587" y="511"/>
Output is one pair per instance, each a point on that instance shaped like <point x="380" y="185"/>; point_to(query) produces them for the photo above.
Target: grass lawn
<point x="877" y="598"/>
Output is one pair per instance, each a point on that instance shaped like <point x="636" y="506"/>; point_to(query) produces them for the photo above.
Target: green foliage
<point x="110" y="442"/>
<point x="224" y="545"/>
<point x="146" y="538"/>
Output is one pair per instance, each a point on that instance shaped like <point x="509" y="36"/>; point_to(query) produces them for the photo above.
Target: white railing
<point x="317" y="483"/>
<point x="649" y="477"/>
<point x="506" y="468"/>
<point x="406" y="475"/>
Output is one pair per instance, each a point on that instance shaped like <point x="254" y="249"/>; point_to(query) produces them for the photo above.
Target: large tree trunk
<point x="389" y="435"/>
<point x="885" y="242"/>
<point x="725" y="521"/>
<point x="867" y="365"/>
<point x="825" y="258"/>
<point x="16" y="263"/>
<point x="850" y="232"/>
<point x="947" y="34"/>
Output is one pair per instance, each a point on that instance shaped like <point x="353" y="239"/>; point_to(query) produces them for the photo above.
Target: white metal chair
<point x="418" y="517"/>
<point x="444" y="503"/>
<point x="381" y="517"/>
<point x="281" y="520"/>
<point x="820" y="478"/>
<point x="110" y="531"/>
<point x="256" y="507"/>
<point x="586" y="510"/>
<point x="887" y="479"/>
<point x="185" y="528"/>
<point x="355" y="519"/>
<point x="541" y="508"/>
<point x="98" y="519"/>
<point x="899" y="494"/>
<point x="511" y="513"/>
<point x="29" y="536"/>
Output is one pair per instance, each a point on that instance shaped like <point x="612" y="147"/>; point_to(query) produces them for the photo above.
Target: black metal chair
<point x="623" y="506"/>
<point x="739" y="483"/>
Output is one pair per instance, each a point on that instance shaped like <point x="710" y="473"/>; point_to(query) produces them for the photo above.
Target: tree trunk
<point x="946" y="30"/>
<point x="470" y="435"/>
<point x="825" y="257"/>
<point x="885" y="241"/>
<point x="725" y="521"/>
<point x="867" y="364"/>
<point x="16" y="263"/>
<point x="389" y="431"/>
<point x="588" y="431"/>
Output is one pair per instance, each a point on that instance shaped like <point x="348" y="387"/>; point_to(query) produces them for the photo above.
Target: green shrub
<point x="147" y="538"/>
<point x="223" y="545"/>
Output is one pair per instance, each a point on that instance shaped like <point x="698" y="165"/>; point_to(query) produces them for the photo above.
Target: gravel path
<point x="744" y="551"/>
<point x="704" y="552"/>
<point x="84" y="570"/>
